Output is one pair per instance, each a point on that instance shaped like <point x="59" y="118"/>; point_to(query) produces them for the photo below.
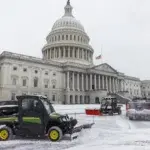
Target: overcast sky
<point x="121" y="26"/>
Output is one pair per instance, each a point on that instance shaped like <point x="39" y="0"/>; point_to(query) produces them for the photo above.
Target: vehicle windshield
<point x="48" y="106"/>
<point x="139" y="105"/>
<point x="106" y="101"/>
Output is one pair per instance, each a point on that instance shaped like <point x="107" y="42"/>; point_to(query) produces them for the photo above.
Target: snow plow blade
<point x="76" y="131"/>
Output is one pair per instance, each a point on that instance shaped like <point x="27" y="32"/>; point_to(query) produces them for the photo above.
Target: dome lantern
<point x="68" y="9"/>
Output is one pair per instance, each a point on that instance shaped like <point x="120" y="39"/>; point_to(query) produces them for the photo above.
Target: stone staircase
<point x="123" y="98"/>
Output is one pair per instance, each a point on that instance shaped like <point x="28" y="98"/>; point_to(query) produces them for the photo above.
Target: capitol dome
<point x="68" y="40"/>
<point x="67" y="22"/>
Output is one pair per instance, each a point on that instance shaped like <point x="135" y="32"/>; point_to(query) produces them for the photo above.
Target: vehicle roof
<point x="6" y="106"/>
<point x="36" y="96"/>
<point x="109" y="97"/>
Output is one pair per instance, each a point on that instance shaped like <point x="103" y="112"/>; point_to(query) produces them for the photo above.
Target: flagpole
<point x="101" y="54"/>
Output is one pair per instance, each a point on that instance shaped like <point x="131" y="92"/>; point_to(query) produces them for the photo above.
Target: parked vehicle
<point x="138" y="110"/>
<point x="35" y="116"/>
<point x="109" y="105"/>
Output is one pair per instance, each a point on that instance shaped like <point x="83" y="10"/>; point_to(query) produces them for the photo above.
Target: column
<point x="82" y="82"/>
<point x="90" y="81"/>
<point x="59" y="52"/>
<point x="54" y="52"/>
<point x="103" y="86"/>
<point x="68" y="51"/>
<point x="73" y="81"/>
<point x="95" y="82"/>
<point x="87" y="82"/>
<point x="49" y="55"/>
<point x="78" y="53"/>
<point x="110" y="88"/>
<point x="99" y="82"/>
<point x="68" y="81"/>
<point x="73" y="52"/>
<point x="64" y="53"/>
<point x="114" y="85"/>
<point x="87" y="55"/>
<point x="106" y="80"/>
<point x="78" y="82"/>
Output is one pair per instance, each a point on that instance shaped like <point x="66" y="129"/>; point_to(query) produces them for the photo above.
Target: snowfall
<point x="108" y="133"/>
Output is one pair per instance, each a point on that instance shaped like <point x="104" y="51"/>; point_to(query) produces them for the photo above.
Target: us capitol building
<point x="66" y="73"/>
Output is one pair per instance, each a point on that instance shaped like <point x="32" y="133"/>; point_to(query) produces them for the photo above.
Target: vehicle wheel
<point x="119" y="112"/>
<point x="6" y="133"/>
<point x="55" y="134"/>
<point x="130" y="118"/>
<point x="110" y="113"/>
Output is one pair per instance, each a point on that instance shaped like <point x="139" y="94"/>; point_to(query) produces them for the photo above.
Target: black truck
<point x="109" y="105"/>
<point x="34" y="116"/>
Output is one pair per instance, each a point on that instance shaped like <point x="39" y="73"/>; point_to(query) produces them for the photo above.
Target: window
<point x="13" y="96"/>
<point x="66" y="37"/>
<point x="71" y="52"/>
<point x="14" y="68"/>
<point x="54" y="74"/>
<point x="70" y="37"/>
<point x="24" y="82"/>
<point x="62" y="37"/>
<point x="53" y="97"/>
<point x="75" y="53"/>
<point x="14" y="81"/>
<point x="46" y="73"/>
<point x="66" y="52"/>
<point x="36" y="82"/>
<point x="74" y="37"/>
<point x="54" y="86"/>
<point x="24" y="69"/>
<point x="46" y="83"/>
<point x="59" y="38"/>
<point x="36" y="71"/>
<point x="30" y="104"/>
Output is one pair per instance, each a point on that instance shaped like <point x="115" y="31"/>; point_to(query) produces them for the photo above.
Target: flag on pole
<point x="99" y="57"/>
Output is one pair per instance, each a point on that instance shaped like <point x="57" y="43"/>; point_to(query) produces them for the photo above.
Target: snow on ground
<point x="108" y="133"/>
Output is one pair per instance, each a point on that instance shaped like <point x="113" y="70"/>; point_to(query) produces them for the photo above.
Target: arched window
<point x="66" y="37"/>
<point x="35" y="82"/>
<point x="14" y="81"/>
<point x="70" y="37"/>
<point x="71" y="51"/>
<point x="62" y="52"/>
<point x="74" y="37"/>
<point x="62" y="37"/>
<point x="66" y="52"/>
<point x="75" y="55"/>
<point x="59" y="38"/>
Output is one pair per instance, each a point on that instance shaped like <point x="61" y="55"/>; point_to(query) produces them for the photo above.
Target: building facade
<point x="145" y="89"/>
<point x="65" y="73"/>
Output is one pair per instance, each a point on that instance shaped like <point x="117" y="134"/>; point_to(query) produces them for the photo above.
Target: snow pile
<point x="108" y="133"/>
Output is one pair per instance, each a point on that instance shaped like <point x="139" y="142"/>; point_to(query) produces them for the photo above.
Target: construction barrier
<point x="93" y="112"/>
